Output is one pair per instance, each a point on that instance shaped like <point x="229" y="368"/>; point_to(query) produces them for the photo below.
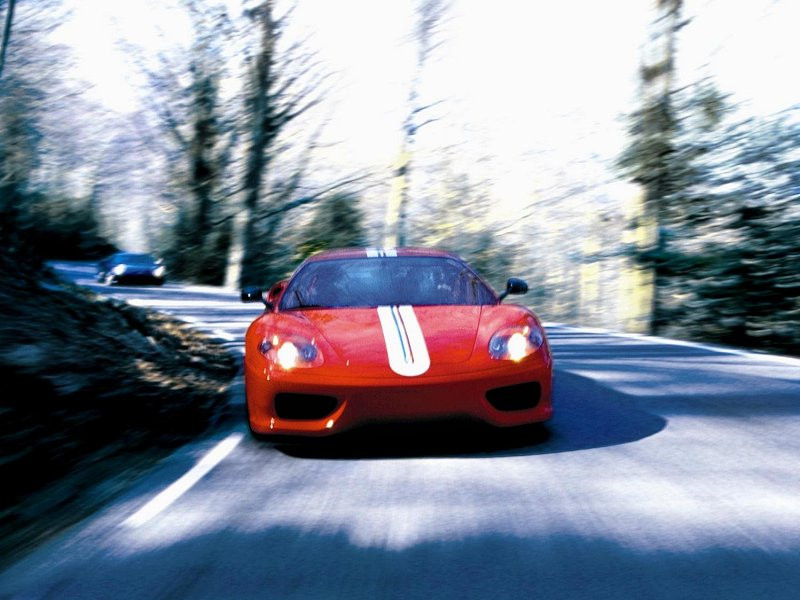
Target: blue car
<point x="126" y="267"/>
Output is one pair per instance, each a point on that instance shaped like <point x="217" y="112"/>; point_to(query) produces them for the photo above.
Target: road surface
<point x="669" y="471"/>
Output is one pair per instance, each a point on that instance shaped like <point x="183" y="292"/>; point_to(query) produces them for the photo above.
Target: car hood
<point x="372" y="337"/>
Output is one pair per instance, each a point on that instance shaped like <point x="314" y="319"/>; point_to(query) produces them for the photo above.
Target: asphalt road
<point x="669" y="471"/>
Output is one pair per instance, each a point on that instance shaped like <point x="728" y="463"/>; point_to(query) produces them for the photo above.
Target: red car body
<point x="388" y="354"/>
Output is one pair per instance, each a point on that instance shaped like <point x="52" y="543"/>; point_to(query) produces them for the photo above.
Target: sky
<point x="750" y="48"/>
<point x="526" y="88"/>
<point x="508" y="71"/>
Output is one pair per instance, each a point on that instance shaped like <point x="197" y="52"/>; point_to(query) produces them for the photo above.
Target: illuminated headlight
<point x="515" y="343"/>
<point x="288" y="355"/>
<point x="118" y="269"/>
<point x="291" y="354"/>
<point x="159" y="271"/>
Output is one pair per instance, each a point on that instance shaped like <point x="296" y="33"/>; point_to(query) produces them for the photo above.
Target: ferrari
<point x="361" y="336"/>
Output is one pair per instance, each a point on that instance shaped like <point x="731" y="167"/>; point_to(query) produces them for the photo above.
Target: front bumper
<point x="359" y="402"/>
<point x="138" y="278"/>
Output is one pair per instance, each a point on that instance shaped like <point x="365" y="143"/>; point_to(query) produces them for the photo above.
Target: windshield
<point x="134" y="259"/>
<point x="365" y="282"/>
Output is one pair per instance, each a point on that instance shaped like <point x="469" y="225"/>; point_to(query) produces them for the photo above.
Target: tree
<point x="649" y="159"/>
<point x="225" y="232"/>
<point x="337" y="223"/>
<point x="723" y="196"/>
<point x="198" y="137"/>
<point x="30" y="87"/>
<point x="454" y="221"/>
<point x="8" y="22"/>
<point x="278" y="89"/>
<point x="739" y="240"/>
<point x="429" y="16"/>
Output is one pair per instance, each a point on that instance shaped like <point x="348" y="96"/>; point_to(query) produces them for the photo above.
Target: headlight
<point x="118" y="269"/>
<point x="159" y="271"/>
<point x="515" y="343"/>
<point x="291" y="353"/>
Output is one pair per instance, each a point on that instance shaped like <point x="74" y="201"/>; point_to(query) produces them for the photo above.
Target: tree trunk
<point x="6" y="34"/>
<point x="657" y="73"/>
<point x="429" y="14"/>
<point x="261" y="133"/>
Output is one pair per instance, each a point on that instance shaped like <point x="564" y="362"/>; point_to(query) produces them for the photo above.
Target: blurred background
<point x="636" y="162"/>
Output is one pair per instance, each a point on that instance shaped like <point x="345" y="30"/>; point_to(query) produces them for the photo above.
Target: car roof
<point x="132" y="255"/>
<point x="376" y="252"/>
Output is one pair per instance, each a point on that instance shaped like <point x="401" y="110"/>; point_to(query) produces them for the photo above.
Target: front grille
<point x="515" y="397"/>
<point x="137" y="278"/>
<point x="304" y="406"/>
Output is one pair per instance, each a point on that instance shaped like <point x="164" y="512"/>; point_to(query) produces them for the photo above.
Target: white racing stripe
<point x="405" y="344"/>
<point x="381" y="252"/>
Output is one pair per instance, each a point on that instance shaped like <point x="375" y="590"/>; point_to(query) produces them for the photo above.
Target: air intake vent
<point x="515" y="397"/>
<point x="306" y="407"/>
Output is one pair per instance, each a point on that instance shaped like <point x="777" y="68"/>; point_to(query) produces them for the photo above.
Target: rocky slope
<point x="94" y="390"/>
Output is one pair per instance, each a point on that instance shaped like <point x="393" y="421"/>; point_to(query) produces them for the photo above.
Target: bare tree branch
<point x="6" y="34"/>
<point x="304" y="200"/>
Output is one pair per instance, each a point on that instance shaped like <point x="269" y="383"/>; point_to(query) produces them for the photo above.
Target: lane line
<point x="223" y="324"/>
<point x="641" y="337"/>
<point x="223" y="335"/>
<point x="174" y="303"/>
<point x="182" y="485"/>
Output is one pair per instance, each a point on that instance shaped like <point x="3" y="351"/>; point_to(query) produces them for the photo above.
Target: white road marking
<point x="182" y="485"/>
<point x="223" y="335"/>
<point x="789" y="360"/>
<point x="163" y="303"/>
<point x="217" y="324"/>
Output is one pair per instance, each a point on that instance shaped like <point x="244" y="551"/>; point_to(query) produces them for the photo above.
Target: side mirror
<point x="252" y="294"/>
<point x="275" y="291"/>
<point x="514" y="286"/>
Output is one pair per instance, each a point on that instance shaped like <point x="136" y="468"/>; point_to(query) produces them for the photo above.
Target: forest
<point x="232" y="167"/>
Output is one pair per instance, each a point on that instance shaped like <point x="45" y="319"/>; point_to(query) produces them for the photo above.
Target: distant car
<point x="361" y="336"/>
<point x="131" y="268"/>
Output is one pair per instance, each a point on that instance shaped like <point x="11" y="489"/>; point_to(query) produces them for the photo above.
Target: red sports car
<point x="360" y="336"/>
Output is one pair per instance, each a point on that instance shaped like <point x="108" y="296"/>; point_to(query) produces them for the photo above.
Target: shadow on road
<point x="288" y="563"/>
<point x="585" y="417"/>
<point x="670" y="380"/>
